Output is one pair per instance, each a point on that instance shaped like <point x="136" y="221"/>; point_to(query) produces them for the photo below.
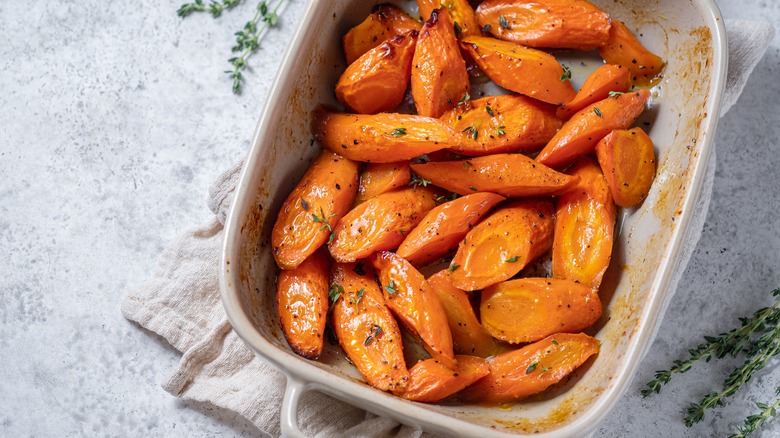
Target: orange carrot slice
<point x="624" y="49"/>
<point x="464" y="21"/>
<point x="628" y="161"/>
<point x="385" y="22"/>
<point x="378" y="178"/>
<point x="430" y="381"/>
<point x="606" y="79"/>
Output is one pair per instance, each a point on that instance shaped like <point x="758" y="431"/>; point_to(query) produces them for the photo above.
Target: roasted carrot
<point x="510" y="175"/>
<point x="503" y="244"/>
<point x="464" y="22"/>
<point x="468" y="335"/>
<point x="584" y="227"/>
<point x="439" y="76"/>
<point x="377" y="81"/>
<point x="378" y="178"/>
<point x="521" y="69"/>
<point x="531" y="369"/>
<point x="505" y="123"/>
<point x="628" y="161"/>
<point x="579" y="135"/>
<point x="381" y="138"/>
<point x="430" y="381"/>
<point x="563" y="24"/>
<point x="411" y="299"/>
<point x="380" y="223"/>
<point x="606" y="79"/>
<point x="365" y="328"/>
<point x="385" y="22"/>
<point x="624" y="49"/>
<point x="323" y="195"/>
<point x="302" y="303"/>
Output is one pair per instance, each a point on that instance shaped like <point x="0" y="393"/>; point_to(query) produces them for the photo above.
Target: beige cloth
<point x="181" y="302"/>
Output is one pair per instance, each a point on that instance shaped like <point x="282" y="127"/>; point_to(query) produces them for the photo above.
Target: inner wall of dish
<point x="674" y="30"/>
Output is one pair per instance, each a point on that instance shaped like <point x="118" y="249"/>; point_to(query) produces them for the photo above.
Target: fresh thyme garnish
<point x="554" y="342"/>
<point x="390" y="288"/>
<point x="457" y="29"/>
<point x="334" y="292"/>
<point x="472" y="130"/>
<point x="512" y="259"/>
<point x="487" y="28"/>
<point x="325" y="223"/>
<point x="464" y="99"/>
<point x="598" y="112"/>
<point x="416" y="181"/>
<point x="375" y="331"/>
<point x="214" y="8"/>
<point x="500" y="130"/>
<point x="247" y="40"/>
<point x="453" y="267"/>
<point x="615" y="93"/>
<point x="398" y="132"/>
<point x="531" y="367"/>
<point x="755" y="421"/>
<point x="503" y="23"/>
<point x="304" y="204"/>
<point x="356" y="301"/>
<point x="566" y="73"/>
<point x="473" y="188"/>
<point x="489" y="110"/>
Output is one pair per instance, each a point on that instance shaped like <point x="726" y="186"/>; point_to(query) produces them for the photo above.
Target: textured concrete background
<point x="114" y="119"/>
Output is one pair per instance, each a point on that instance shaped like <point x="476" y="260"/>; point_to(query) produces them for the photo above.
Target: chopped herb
<point x="566" y="73"/>
<point x="304" y="204"/>
<point x="453" y="267"/>
<point x="472" y="130"/>
<point x="335" y="291"/>
<point x="598" y="112"/>
<point x="359" y="298"/>
<point x="457" y="29"/>
<point x="402" y="230"/>
<point x="330" y="237"/>
<point x="375" y="331"/>
<point x="358" y="269"/>
<point x="324" y="220"/>
<point x="464" y="99"/>
<point x="473" y="188"/>
<point x="487" y="28"/>
<point x="545" y="369"/>
<point x="467" y="164"/>
<point x="489" y="110"/>
<point x="512" y="259"/>
<point x="554" y="342"/>
<point x="398" y="132"/>
<point x="531" y="367"/>
<point x="500" y="130"/>
<point x="390" y="288"/>
<point x="615" y="93"/>
<point x="502" y="21"/>
<point x="416" y="181"/>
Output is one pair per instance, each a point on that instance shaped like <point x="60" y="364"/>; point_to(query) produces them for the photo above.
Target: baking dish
<point x="683" y="114"/>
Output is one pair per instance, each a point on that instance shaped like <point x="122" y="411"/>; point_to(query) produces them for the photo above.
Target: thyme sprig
<point x="214" y="8"/>
<point x="755" y="421"/>
<point x="247" y="40"/>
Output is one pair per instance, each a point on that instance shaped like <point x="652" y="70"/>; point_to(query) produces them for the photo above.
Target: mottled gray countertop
<point x="114" y="119"/>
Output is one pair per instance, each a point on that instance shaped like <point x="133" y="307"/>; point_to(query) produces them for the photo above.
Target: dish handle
<point x="292" y="398"/>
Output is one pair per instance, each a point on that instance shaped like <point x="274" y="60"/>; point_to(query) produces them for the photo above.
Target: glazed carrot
<point x="580" y="134"/>
<point x="628" y="161"/>
<point x="505" y="123"/>
<point x="411" y="299"/>
<point x="606" y="79"/>
<point x="563" y="24"/>
<point x="323" y="195"/>
<point x="439" y="76"/>
<point x="468" y="335"/>
<point x="381" y="138"/>
<point x="624" y="49"/>
<point x="462" y="14"/>
<point x="377" y="81"/>
<point x="529" y="309"/>
<point x="510" y="175"/>
<point x="378" y="178"/>
<point x="385" y="22"/>
<point x="366" y="329"/>
<point x="302" y="302"/>
<point x="380" y="223"/>
<point x="531" y="369"/>
<point x="430" y="381"/>
<point x="584" y="227"/>
<point x="503" y="244"/>
<point x="521" y="69"/>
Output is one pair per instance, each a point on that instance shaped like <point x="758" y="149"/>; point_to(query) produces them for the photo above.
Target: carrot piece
<point x="381" y="138"/>
<point x="506" y="123"/>
<point x="444" y="226"/>
<point x="385" y="22"/>
<point x="510" y="175"/>
<point x="439" y="76"/>
<point x="562" y="24"/>
<point x="468" y="335"/>
<point x="521" y="69"/>
<point x="464" y="20"/>
<point x="531" y="369"/>
<point x="302" y="303"/>
<point x="377" y="81"/>
<point x="378" y="178"/>
<point x="624" y="49"/>
<point x="584" y="227"/>
<point x="580" y="134"/>
<point x="430" y="381"/>
<point x="365" y="328"/>
<point x="529" y="309"/>
<point x="323" y="195"/>
<point x="503" y="244"/>
<point x="606" y="79"/>
<point x="380" y="223"/>
<point x="628" y="161"/>
<point x="411" y="299"/>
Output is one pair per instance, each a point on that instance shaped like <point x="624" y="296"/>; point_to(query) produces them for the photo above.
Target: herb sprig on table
<point x="759" y="339"/>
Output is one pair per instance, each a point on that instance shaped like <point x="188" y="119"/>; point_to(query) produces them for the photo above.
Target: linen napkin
<point x="181" y="301"/>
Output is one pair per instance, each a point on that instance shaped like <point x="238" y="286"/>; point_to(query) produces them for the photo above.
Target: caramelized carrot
<point x="430" y="381"/>
<point x="563" y="24"/>
<point x="503" y="244"/>
<point x="580" y="134"/>
<point x="323" y="195"/>
<point x="385" y="22"/>
<point x="531" y="369"/>
<point x="606" y="79"/>
<point x="510" y="175"/>
<point x="528" y="309"/>
<point x="506" y="123"/>
<point x="381" y="138"/>
<point x="584" y="227"/>
<point x="628" y="161"/>
<point x="411" y="299"/>
<point x="439" y="76"/>
<point x="444" y="226"/>
<point x="521" y="69"/>
<point x="366" y="329"/>
<point x="302" y="302"/>
<point x="378" y="178"/>
<point x="464" y="21"/>
<point x="380" y="223"/>
<point x="624" y="49"/>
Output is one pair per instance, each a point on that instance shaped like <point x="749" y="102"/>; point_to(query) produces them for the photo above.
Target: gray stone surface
<point x="115" y="117"/>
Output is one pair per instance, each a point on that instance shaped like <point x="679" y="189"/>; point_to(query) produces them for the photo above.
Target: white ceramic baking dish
<point x="688" y="34"/>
